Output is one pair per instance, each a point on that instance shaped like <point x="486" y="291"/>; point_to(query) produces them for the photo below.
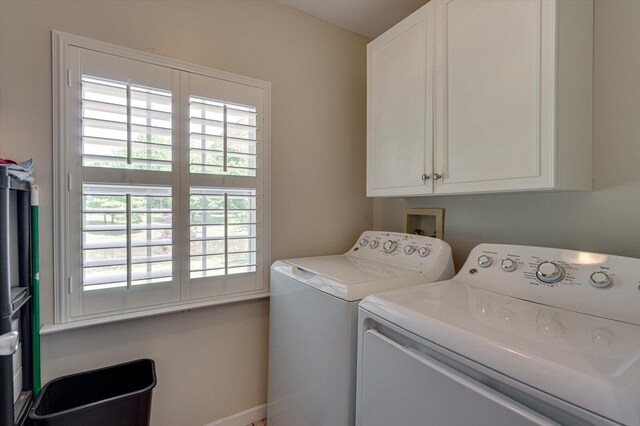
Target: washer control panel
<point x="407" y="250"/>
<point x="596" y="284"/>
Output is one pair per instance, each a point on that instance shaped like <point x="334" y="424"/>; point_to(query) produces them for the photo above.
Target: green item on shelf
<point x="35" y="289"/>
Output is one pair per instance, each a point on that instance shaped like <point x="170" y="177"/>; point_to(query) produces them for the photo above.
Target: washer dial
<point x="363" y="242"/>
<point x="423" y="252"/>
<point x="409" y="249"/>
<point x="374" y="243"/>
<point x="549" y="272"/>
<point x="600" y="279"/>
<point x="484" y="261"/>
<point x="390" y="246"/>
<point x="509" y="265"/>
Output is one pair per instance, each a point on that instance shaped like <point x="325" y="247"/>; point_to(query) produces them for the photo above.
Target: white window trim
<point x="60" y="45"/>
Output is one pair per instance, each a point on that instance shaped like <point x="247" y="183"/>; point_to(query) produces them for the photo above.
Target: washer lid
<point x="347" y="277"/>
<point x="589" y="361"/>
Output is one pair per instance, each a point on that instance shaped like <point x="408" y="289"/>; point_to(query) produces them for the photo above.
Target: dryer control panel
<point x="596" y="284"/>
<point x="416" y="252"/>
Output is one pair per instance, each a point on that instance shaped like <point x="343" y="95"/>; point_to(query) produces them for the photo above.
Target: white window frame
<point x="61" y="42"/>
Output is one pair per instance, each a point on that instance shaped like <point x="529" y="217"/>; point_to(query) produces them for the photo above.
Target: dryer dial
<point x="549" y="272"/>
<point x="600" y="279"/>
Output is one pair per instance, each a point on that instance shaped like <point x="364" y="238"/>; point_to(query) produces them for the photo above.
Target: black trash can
<point x="116" y="395"/>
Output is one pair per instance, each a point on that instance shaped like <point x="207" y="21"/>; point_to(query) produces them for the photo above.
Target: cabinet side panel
<point x="575" y="94"/>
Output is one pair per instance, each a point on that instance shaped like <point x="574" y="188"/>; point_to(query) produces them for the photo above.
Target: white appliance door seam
<point x="503" y="401"/>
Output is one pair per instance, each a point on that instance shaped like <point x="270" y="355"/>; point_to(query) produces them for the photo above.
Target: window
<point x="161" y="183"/>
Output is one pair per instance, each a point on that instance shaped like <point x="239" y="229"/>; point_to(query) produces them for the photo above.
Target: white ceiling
<point x="369" y="18"/>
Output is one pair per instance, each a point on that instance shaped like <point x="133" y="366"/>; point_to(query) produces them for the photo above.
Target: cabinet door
<point x="400" y="70"/>
<point x="495" y="95"/>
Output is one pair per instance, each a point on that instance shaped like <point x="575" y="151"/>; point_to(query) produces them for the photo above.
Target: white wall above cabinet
<point x="470" y="96"/>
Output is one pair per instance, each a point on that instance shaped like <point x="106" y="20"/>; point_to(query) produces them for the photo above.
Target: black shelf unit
<point x="15" y="294"/>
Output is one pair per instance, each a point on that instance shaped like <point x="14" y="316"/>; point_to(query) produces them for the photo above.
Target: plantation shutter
<point x="125" y="125"/>
<point x="222" y="231"/>
<point x="123" y="187"/>
<point x="127" y="236"/>
<point x="224" y="178"/>
<point x="165" y="200"/>
<point x="222" y="138"/>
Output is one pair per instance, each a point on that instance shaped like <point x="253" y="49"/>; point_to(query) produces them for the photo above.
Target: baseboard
<point x="243" y="418"/>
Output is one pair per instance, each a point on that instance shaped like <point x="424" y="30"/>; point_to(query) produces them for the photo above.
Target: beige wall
<point x="210" y="362"/>
<point x="606" y="220"/>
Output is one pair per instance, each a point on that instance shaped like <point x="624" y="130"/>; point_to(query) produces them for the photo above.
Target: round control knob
<point x="550" y="272"/>
<point x="409" y="249"/>
<point x="374" y="243"/>
<point x="484" y="261"/>
<point x="509" y="265"/>
<point x="600" y="279"/>
<point x="423" y="252"/>
<point x="363" y="242"/>
<point x="390" y="246"/>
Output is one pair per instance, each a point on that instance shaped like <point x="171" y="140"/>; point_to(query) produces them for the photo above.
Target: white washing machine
<point x="520" y="336"/>
<point x="313" y="321"/>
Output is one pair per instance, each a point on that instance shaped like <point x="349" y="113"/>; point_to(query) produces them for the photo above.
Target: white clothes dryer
<point x="313" y="321"/>
<point x="520" y="336"/>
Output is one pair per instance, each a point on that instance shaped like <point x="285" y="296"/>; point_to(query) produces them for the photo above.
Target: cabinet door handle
<point x="437" y="176"/>
<point x="425" y="177"/>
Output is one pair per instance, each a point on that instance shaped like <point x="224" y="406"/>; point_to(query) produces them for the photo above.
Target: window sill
<point x="47" y="329"/>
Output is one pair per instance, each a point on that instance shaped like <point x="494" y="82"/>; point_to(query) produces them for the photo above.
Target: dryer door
<point x="401" y="386"/>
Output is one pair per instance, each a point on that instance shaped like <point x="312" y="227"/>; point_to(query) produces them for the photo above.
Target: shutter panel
<point x="225" y="182"/>
<point x="125" y="125"/>
<point x="222" y="137"/>
<point x="222" y="231"/>
<point x="126" y="235"/>
<point x="125" y="199"/>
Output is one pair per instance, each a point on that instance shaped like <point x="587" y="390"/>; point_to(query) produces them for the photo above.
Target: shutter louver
<point x="223" y="138"/>
<point x="125" y="125"/>
<point x="222" y="231"/>
<point x="126" y="235"/>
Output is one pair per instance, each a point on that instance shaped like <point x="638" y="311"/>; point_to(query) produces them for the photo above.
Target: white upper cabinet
<point x="512" y="93"/>
<point x="400" y="107"/>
